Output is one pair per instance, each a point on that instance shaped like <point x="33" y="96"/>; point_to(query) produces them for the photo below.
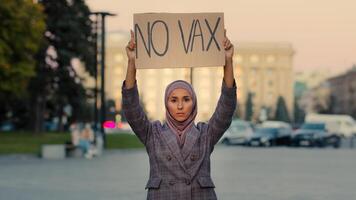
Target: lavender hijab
<point x="180" y="128"/>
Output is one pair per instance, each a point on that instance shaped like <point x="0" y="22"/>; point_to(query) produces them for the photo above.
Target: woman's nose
<point x="180" y="105"/>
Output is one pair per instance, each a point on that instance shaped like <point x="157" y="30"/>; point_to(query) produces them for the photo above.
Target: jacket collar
<point x="190" y="140"/>
<point x="171" y="140"/>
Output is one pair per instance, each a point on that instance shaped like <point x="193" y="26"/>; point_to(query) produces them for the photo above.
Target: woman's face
<point x="180" y="104"/>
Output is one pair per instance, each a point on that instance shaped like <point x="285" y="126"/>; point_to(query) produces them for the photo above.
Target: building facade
<point x="343" y="93"/>
<point x="264" y="69"/>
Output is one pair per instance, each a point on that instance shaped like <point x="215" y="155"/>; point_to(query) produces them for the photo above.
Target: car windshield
<point x="313" y="126"/>
<point x="238" y="128"/>
<point x="266" y="131"/>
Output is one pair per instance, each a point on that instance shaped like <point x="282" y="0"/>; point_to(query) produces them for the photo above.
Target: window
<point x="270" y="83"/>
<point x="271" y="59"/>
<point x="254" y="58"/>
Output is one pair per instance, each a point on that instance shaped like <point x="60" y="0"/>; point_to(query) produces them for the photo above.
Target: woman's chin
<point x="180" y="119"/>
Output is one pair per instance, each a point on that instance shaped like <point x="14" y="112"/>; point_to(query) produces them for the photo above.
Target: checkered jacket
<point x="179" y="173"/>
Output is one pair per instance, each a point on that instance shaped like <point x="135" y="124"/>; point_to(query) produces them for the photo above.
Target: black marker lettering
<point x="148" y="45"/>
<point x="167" y="41"/>
<point x="196" y="35"/>
<point x="212" y="33"/>
<point x="186" y="46"/>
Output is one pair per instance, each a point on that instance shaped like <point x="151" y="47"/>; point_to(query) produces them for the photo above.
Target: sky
<point x="322" y="32"/>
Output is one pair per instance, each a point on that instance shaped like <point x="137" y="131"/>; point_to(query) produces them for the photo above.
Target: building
<point x="312" y="79"/>
<point x="315" y="96"/>
<point x="343" y="93"/>
<point x="265" y="69"/>
<point x="317" y="99"/>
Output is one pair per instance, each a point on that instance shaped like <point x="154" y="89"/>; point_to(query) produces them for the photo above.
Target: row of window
<point x="254" y="58"/>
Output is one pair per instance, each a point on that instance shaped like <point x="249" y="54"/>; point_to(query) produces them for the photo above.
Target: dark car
<point x="315" y="134"/>
<point x="271" y="137"/>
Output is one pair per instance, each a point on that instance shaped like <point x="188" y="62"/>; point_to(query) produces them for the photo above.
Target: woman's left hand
<point x="229" y="48"/>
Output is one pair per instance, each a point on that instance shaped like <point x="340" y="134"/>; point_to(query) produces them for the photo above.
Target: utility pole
<point x="100" y="18"/>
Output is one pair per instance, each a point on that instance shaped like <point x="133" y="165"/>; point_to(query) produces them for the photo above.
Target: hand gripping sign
<point x="173" y="40"/>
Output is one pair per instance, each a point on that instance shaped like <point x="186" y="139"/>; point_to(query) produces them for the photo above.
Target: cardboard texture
<point x="175" y="40"/>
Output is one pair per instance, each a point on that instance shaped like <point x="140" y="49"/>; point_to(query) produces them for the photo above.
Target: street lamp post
<point x="102" y="64"/>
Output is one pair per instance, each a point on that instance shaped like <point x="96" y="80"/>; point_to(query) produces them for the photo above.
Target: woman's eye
<point x="186" y="99"/>
<point x="173" y="100"/>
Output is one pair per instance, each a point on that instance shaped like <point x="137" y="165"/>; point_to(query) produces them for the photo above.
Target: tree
<point x="237" y="113"/>
<point x="249" y="107"/>
<point x="21" y="28"/>
<point x="328" y="108"/>
<point x="282" y="111"/>
<point x="299" y="113"/>
<point x="68" y="36"/>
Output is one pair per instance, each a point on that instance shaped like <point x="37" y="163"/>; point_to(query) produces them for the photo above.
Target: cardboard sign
<point x="172" y="40"/>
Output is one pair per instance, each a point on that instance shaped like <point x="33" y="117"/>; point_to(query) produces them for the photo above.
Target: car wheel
<point x="321" y="144"/>
<point x="337" y="144"/>
<point x="226" y="141"/>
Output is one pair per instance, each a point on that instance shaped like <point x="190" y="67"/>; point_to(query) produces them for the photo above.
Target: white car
<point x="275" y="124"/>
<point x="239" y="133"/>
<point x="343" y="125"/>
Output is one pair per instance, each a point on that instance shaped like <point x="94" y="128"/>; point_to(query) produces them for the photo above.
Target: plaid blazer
<point x="179" y="173"/>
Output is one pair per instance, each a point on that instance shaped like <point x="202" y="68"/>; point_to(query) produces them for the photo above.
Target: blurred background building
<point x="263" y="69"/>
<point x="266" y="71"/>
<point x="343" y="93"/>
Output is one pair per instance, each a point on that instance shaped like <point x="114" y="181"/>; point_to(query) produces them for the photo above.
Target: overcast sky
<point x="322" y="32"/>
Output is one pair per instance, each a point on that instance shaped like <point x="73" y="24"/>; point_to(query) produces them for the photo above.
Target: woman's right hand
<point x="131" y="68"/>
<point x="131" y="47"/>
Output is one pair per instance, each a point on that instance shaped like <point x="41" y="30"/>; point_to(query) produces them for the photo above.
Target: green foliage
<point x="29" y="143"/>
<point x="21" y="28"/>
<point x="282" y="111"/>
<point x="299" y="113"/>
<point x="249" y="107"/>
<point x="68" y="36"/>
<point x="123" y="141"/>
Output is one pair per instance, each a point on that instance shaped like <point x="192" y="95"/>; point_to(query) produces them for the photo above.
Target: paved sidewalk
<point x="239" y="173"/>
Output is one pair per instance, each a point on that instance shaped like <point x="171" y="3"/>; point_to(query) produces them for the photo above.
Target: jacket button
<point x="169" y="157"/>
<point x="187" y="181"/>
<point x="193" y="157"/>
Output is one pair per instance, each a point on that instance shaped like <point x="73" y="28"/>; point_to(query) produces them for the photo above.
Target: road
<point x="238" y="173"/>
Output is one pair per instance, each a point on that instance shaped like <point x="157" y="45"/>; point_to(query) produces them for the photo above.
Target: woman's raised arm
<point x="131" y="107"/>
<point x="131" y="68"/>
<point x="221" y="119"/>
<point x="228" y="68"/>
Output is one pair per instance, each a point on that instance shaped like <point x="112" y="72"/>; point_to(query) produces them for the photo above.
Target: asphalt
<point x="238" y="172"/>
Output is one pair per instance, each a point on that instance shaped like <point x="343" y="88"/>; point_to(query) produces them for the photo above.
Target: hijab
<point x="180" y="128"/>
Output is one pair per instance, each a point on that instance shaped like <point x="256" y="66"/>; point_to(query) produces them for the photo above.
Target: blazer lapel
<point x="171" y="141"/>
<point x="190" y="140"/>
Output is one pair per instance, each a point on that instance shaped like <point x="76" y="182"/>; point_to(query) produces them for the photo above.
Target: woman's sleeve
<point x="134" y="113"/>
<point x="222" y="117"/>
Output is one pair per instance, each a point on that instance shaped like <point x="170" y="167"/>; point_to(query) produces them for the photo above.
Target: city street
<point x="239" y="173"/>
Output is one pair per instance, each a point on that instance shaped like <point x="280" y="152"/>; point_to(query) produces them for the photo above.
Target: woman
<point x="179" y="151"/>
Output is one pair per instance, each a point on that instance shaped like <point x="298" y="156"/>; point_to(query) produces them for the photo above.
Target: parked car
<point x="271" y="136"/>
<point x="343" y="125"/>
<point x="238" y="133"/>
<point x="275" y="124"/>
<point x="315" y="134"/>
